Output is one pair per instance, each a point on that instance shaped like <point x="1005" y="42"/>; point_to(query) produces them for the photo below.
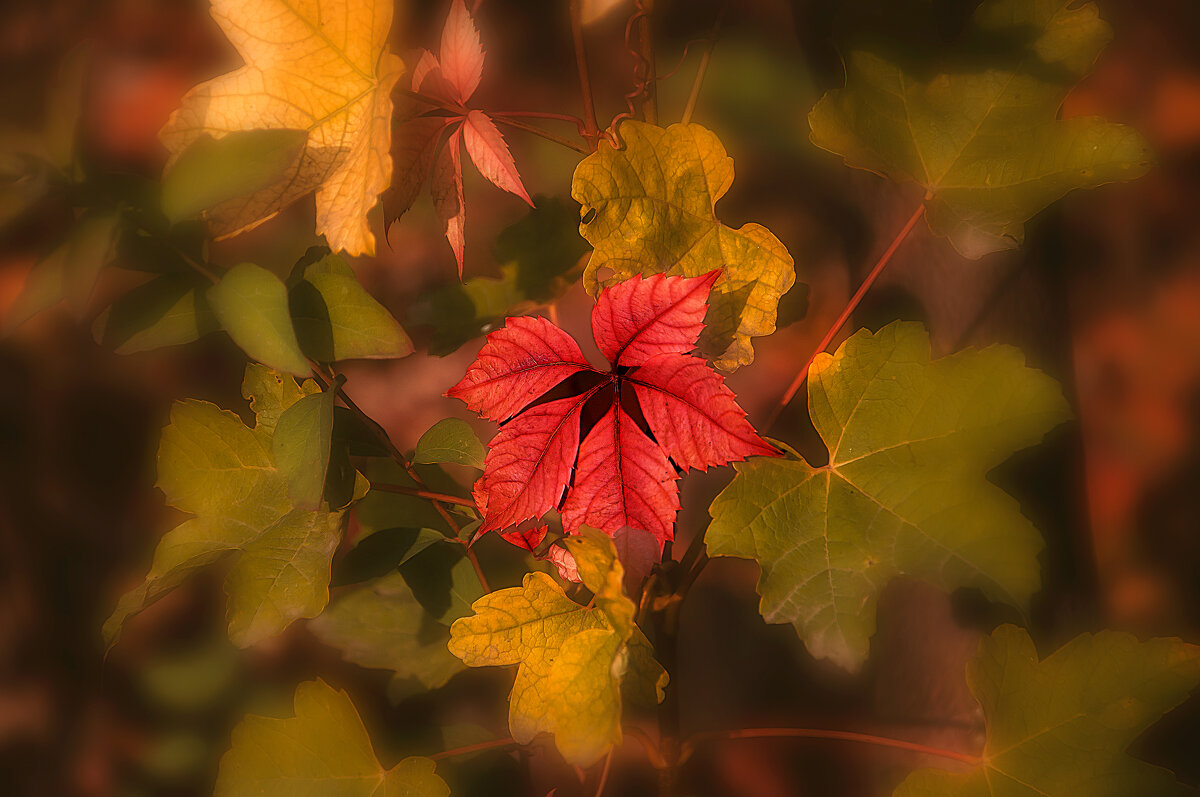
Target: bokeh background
<point x="1105" y="296"/>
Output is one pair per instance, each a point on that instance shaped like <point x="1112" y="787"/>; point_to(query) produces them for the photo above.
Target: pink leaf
<point x="568" y="569"/>
<point x="462" y="52"/>
<point x="694" y="416"/>
<point x="427" y="79"/>
<point x="529" y="463"/>
<point x="487" y="149"/>
<point x="414" y="143"/>
<point x="446" y="190"/>
<point x="518" y="363"/>
<point x="623" y="479"/>
<point x="638" y="550"/>
<point x="639" y="318"/>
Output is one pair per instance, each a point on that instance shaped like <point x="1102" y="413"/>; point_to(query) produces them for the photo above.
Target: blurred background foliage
<point x="1105" y="296"/>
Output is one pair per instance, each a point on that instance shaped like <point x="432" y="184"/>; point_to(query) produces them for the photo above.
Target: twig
<point x="648" y="745"/>
<point x="419" y="493"/>
<point x="475" y="748"/>
<point x="850" y="307"/>
<point x="546" y="134"/>
<point x="604" y="773"/>
<point x="691" y="744"/>
<point x="592" y="128"/>
<point x="646" y="39"/>
<point x="702" y="69"/>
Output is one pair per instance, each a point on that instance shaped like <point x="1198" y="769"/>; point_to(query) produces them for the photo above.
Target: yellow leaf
<point x="649" y="208"/>
<point x="313" y="65"/>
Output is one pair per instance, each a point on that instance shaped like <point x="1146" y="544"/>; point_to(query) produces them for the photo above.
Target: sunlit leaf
<point x="979" y="128"/>
<point x="905" y="492"/>
<point x="252" y="305"/>
<point x="1060" y="727"/>
<point x="166" y="311"/>
<point x="650" y="208"/>
<point x="450" y="440"/>
<point x="300" y="446"/>
<point x="336" y="319"/>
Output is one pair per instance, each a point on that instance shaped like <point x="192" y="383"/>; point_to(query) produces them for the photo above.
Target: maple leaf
<point x="984" y="139"/>
<point x="449" y="82"/>
<point x="1059" y="727"/>
<point x="646" y="327"/>
<point x="320" y="67"/>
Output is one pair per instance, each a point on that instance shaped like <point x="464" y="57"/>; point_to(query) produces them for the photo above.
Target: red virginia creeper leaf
<point x="428" y="79"/>
<point x="462" y="52"/>
<point x="694" y="416"/>
<point x="623" y="479"/>
<point x="639" y="318"/>
<point x="446" y="190"/>
<point x="529" y="539"/>
<point x="414" y="143"/>
<point x="529" y="463"/>
<point x="487" y="149"/>
<point x="518" y="363"/>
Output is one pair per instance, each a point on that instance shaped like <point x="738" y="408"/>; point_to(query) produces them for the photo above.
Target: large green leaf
<point x="212" y="466"/>
<point x="323" y="751"/>
<point x="572" y="659"/>
<point x="252" y="305"/>
<point x="381" y="624"/>
<point x="336" y="319"/>
<point x="910" y="442"/>
<point x="650" y="208"/>
<point x="979" y="129"/>
<point x="1059" y="727"/>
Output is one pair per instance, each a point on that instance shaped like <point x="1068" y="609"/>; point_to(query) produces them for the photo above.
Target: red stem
<point x="432" y="496"/>
<point x="847" y="311"/>
<point x="474" y="748"/>
<point x="817" y="733"/>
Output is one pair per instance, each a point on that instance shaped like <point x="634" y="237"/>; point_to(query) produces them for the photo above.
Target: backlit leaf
<point x="910" y="443"/>
<point x="252" y="305"/>
<point x="979" y="129"/>
<point x="1059" y="727"/>
<point x="650" y="208"/>
<point x="322" y="751"/>
<point x="319" y="67"/>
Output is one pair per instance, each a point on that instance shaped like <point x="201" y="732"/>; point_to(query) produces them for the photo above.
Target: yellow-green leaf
<point x="650" y="208"/>
<point x="450" y="440"/>
<point x="905" y="491"/>
<point x="167" y="311"/>
<point x="321" y="67"/>
<point x="1060" y="727"/>
<point x="252" y="305"/>
<point x="300" y="446"/>
<point x="979" y="129"/>
<point x="336" y="319"/>
<point x="323" y="751"/>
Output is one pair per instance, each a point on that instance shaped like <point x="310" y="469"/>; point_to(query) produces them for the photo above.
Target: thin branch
<point x="646" y="40"/>
<point x="592" y="128"/>
<point x="850" y="307"/>
<point x="702" y="69"/>
<point x="648" y="745"/>
<point x="546" y="134"/>
<point x="494" y="744"/>
<point x="419" y="493"/>
<point x="691" y="744"/>
<point x="604" y="773"/>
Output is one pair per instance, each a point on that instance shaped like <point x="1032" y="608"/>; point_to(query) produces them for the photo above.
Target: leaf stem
<point x="506" y="118"/>
<point x="691" y="744"/>
<point x="604" y="773"/>
<point x="546" y="134"/>
<point x="591" y="127"/>
<point x="419" y="493"/>
<point x="849" y="309"/>
<point x="494" y="744"/>
<point x="702" y="70"/>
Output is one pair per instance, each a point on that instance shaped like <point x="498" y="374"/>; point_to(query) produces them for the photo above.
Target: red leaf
<point x="639" y="318"/>
<point x="414" y="143"/>
<point x="462" y="52"/>
<point x="692" y="413"/>
<point x="446" y="189"/>
<point x="518" y="363"/>
<point x="529" y="539"/>
<point x="623" y="479"/>
<point x="428" y="79"/>
<point x="529" y="463"/>
<point x="487" y="149"/>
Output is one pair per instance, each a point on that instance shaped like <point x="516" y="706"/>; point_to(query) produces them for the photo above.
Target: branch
<point x="691" y="744"/>
<point x="850" y="307"/>
<point x="441" y="497"/>
<point x="546" y="134"/>
<point x="592" y="128"/>
<point x="475" y="748"/>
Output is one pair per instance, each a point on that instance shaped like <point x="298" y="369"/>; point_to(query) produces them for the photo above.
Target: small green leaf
<point x="381" y="624"/>
<point x="1059" y="727"/>
<point x="252" y="305"/>
<point x="270" y="393"/>
<point x="322" y="751"/>
<point x="166" y="311"/>
<point x="444" y="581"/>
<point x="905" y="491"/>
<point x="301" y="447"/>
<point x="336" y="319"/>
<point x="450" y="440"/>
<point x="212" y="171"/>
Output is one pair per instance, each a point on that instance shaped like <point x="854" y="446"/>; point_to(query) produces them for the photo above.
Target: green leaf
<point x="322" y="751"/>
<point x="336" y="319"/>
<point x="301" y="447"/>
<point x="212" y="171"/>
<point x="910" y="443"/>
<point x="572" y="659"/>
<point x="213" y="466"/>
<point x="270" y="393"/>
<point x="650" y="208"/>
<point x="450" y="440"/>
<point x="166" y="311"/>
<point x="381" y="624"/>
<point x="252" y="305"/>
<point x="444" y="581"/>
<point x="1059" y="727"/>
<point x="979" y="129"/>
